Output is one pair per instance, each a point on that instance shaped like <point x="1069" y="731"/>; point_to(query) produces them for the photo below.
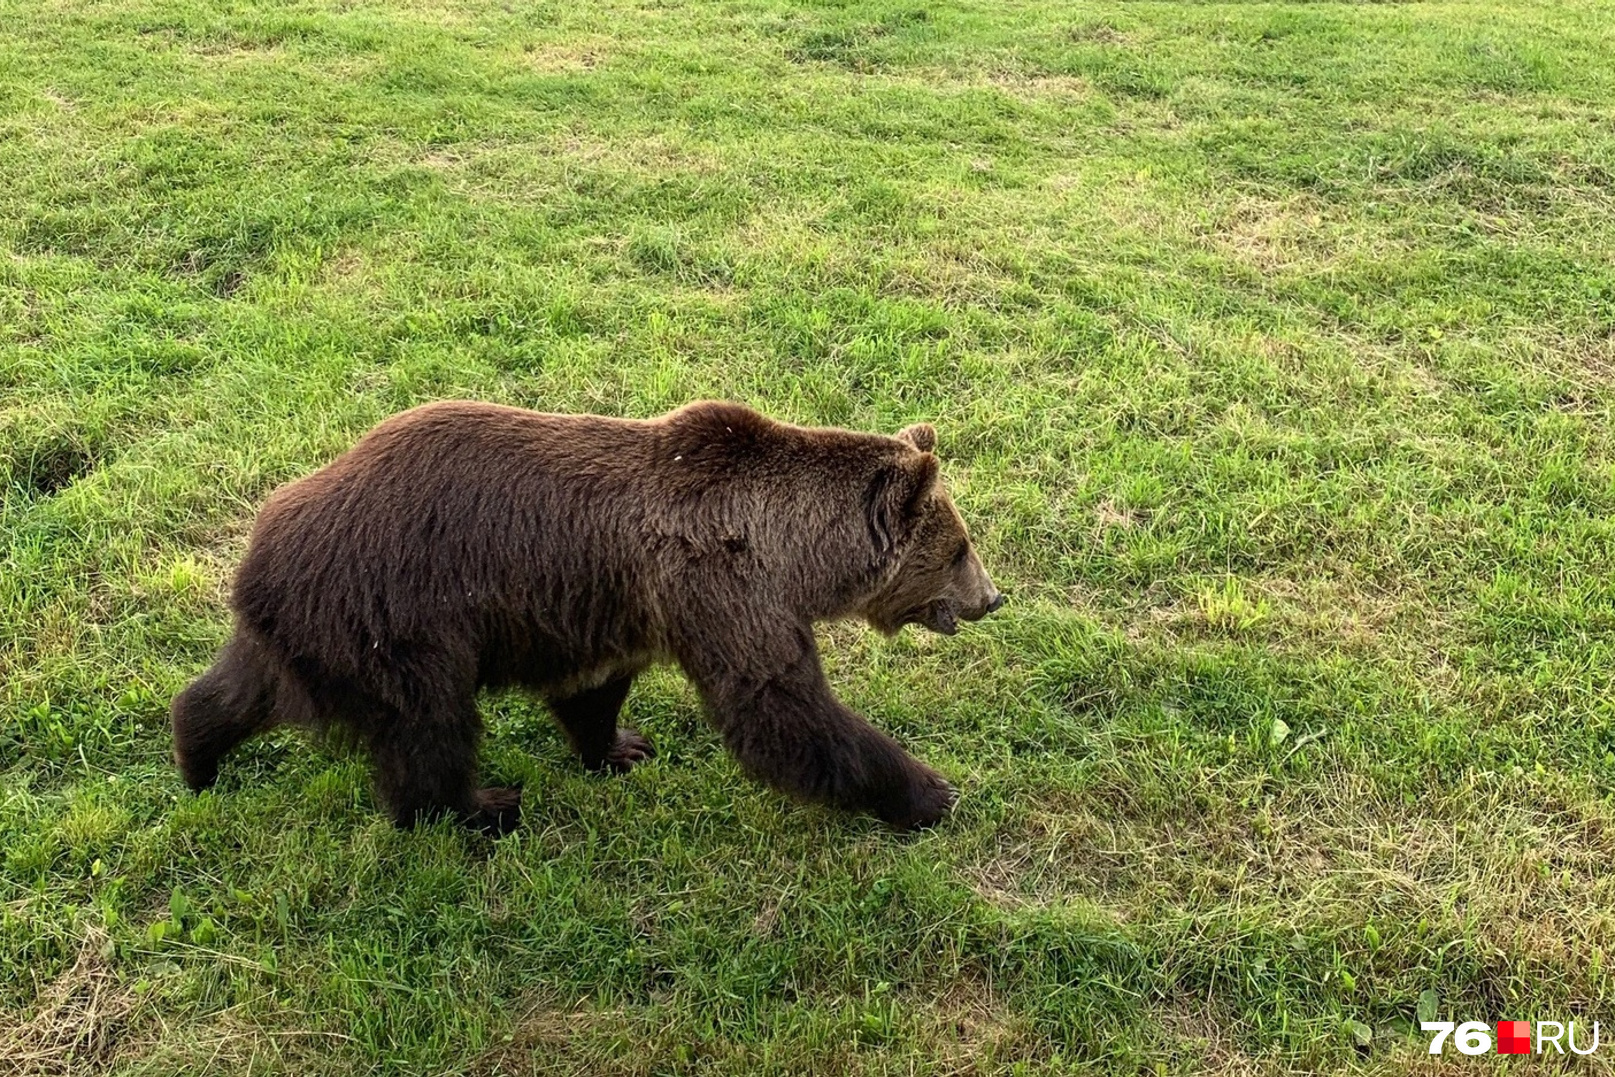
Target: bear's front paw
<point x="930" y="798"/>
<point x="499" y="811"/>
<point x="630" y="748"/>
<point x="199" y="773"/>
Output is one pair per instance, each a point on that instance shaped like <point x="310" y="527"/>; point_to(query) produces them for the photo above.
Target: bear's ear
<point x="921" y="435"/>
<point x="896" y="497"/>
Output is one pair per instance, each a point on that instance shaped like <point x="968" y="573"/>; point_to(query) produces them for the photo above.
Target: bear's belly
<point x="559" y="673"/>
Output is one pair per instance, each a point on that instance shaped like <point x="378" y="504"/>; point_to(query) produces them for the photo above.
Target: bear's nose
<point x="997" y="602"/>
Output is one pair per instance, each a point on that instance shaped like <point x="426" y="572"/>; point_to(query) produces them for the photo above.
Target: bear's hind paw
<point x="499" y="810"/>
<point x="630" y="748"/>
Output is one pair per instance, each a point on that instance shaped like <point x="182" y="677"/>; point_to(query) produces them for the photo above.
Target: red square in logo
<point x="1513" y="1037"/>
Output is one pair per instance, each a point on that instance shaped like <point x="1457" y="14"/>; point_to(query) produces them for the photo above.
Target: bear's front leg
<point x="787" y="728"/>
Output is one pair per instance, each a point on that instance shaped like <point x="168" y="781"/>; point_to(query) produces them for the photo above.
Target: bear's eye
<point x="960" y="555"/>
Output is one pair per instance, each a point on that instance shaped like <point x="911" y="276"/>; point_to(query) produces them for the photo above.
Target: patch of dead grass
<point x="1036" y="87"/>
<point x="346" y="267"/>
<point x="527" y="173"/>
<point x="554" y="1039"/>
<point x="969" y="1029"/>
<point x="234" y="1043"/>
<point x="77" y="1022"/>
<point x="1109" y="517"/>
<point x="1206" y="1039"/>
<point x="1335" y="611"/>
<point x="567" y="57"/>
<point x="1318" y="610"/>
<point x="948" y="273"/>
<point x="1098" y="33"/>
<point x="1272" y="235"/>
<point x="1584" y="356"/>
<point x="965" y="1030"/>
<point x="1030" y="87"/>
<point x="651" y="155"/>
<point x="1521" y="856"/>
<point x="229" y="47"/>
<point x="440" y="160"/>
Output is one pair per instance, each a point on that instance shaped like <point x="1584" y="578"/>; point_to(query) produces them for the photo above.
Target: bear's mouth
<point x="938" y="616"/>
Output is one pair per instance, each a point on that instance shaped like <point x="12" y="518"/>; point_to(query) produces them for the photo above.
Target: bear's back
<point x="454" y="520"/>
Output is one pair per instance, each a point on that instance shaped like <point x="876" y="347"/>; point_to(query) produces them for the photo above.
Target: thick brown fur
<point x="464" y="545"/>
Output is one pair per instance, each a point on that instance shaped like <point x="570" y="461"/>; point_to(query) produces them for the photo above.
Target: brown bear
<point x="463" y="545"/>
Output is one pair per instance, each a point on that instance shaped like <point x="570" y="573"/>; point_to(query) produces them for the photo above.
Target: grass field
<point x="1272" y="348"/>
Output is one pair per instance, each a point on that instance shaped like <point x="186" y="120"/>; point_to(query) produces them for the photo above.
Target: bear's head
<point x="938" y="580"/>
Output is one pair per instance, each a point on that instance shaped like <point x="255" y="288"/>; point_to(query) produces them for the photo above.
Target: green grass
<point x="1272" y="348"/>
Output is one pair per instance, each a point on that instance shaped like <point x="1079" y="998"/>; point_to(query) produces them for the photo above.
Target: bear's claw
<point x="631" y="748"/>
<point x="931" y="798"/>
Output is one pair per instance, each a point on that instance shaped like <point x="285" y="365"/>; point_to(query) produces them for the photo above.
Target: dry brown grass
<point x="77" y="1022"/>
<point x="576" y="1041"/>
<point x="1273" y="235"/>
<point x="567" y="57"/>
<point x="970" y="1029"/>
<point x="1523" y="855"/>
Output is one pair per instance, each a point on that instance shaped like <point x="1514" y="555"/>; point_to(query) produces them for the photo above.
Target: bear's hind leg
<point x="589" y="719"/>
<point x="232" y="701"/>
<point x="426" y="768"/>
